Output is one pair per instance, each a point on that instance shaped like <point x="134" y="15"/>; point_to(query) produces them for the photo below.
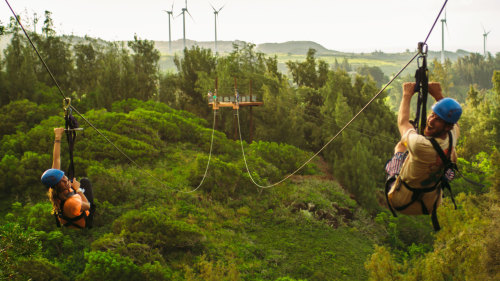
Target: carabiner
<point x="66" y="103"/>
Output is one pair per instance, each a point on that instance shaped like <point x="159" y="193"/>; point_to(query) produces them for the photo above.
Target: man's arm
<point x="56" y="154"/>
<point x="435" y="91"/>
<point x="404" y="108"/>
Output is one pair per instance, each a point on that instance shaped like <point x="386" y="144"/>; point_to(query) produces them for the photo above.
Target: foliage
<point x="284" y="157"/>
<point x="109" y="266"/>
<point x="308" y="227"/>
<point x="16" y="244"/>
<point x="375" y="72"/>
<point x="157" y="229"/>
<point x="212" y="271"/>
<point x="457" y="254"/>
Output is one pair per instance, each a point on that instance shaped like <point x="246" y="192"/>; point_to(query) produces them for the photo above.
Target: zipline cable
<point x="341" y="130"/>
<point x="97" y="130"/>
<point x="333" y="138"/>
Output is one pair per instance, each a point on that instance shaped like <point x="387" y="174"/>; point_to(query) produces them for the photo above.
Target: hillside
<point x="228" y="225"/>
<point x="286" y="51"/>
<point x="179" y="200"/>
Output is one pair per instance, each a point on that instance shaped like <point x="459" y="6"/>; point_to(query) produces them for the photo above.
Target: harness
<point x="69" y="221"/>
<point x="441" y="184"/>
<point x="71" y="126"/>
<point x="422" y="87"/>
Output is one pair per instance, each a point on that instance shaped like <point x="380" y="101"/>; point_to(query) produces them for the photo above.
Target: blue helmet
<point x="51" y="177"/>
<point x="448" y="109"/>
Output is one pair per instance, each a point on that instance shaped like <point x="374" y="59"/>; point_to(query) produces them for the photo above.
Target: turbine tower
<point x="35" y="21"/>
<point x="184" y="11"/>
<point x="485" y="34"/>
<point x="443" y="23"/>
<point x="170" y="15"/>
<point x="216" y="15"/>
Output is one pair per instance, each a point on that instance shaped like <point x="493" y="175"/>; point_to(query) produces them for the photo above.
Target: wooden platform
<point x="234" y="105"/>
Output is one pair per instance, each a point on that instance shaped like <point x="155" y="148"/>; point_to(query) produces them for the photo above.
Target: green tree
<point x="308" y="73"/>
<point x="195" y="60"/>
<point x="59" y="59"/>
<point x="21" y="115"/>
<point x="375" y="72"/>
<point x="442" y="73"/>
<point x="109" y="266"/>
<point x="88" y="62"/>
<point x="145" y="61"/>
<point x="20" y="79"/>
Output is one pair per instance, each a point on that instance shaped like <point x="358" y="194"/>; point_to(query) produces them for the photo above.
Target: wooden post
<point x="251" y="115"/>
<point x="235" y="123"/>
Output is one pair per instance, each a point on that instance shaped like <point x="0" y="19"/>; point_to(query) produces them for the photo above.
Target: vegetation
<point x="327" y="222"/>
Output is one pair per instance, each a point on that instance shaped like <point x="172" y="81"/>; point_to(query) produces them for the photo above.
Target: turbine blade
<point x="190" y="15"/>
<point x="212" y="6"/>
<point x="221" y="8"/>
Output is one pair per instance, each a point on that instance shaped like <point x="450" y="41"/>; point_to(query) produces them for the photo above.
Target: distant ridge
<point x="290" y="47"/>
<point x="293" y="47"/>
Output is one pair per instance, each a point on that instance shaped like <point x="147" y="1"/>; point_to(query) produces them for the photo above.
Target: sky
<point x="341" y="25"/>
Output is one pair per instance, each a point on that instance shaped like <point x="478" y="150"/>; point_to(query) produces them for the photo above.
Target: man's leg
<point x="392" y="168"/>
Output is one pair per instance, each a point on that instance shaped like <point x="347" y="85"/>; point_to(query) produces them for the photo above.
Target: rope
<point x="139" y="166"/>
<point x="97" y="130"/>
<point x="333" y="138"/>
<point x="341" y="130"/>
<point x="435" y="21"/>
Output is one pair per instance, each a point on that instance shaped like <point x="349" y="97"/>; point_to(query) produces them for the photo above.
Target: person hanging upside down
<point x="415" y="173"/>
<point x="72" y="201"/>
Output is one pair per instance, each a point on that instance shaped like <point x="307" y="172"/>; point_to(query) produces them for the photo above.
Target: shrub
<point x="157" y="229"/>
<point x="109" y="266"/>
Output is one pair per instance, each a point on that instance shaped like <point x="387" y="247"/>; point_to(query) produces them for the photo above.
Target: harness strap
<point x="418" y="192"/>
<point x="70" y="125"/>
<point x="447" y="163"/>
<point x="69" y="221"/>
<point x="446" y="159"/>
<point x="435" y="222"/>
<point x="422" y="87"/>
<point x="417" y="196"/>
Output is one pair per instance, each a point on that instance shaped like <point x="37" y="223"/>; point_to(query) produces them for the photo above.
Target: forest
<point x="327" y="222"/>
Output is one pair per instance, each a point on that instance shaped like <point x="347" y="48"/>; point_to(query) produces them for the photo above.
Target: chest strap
<point x="447" y="163"/>
<point x="442" y="183"/>
<point x="70" y="221"/>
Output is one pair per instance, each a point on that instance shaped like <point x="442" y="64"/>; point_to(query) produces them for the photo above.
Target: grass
<point x="302" y="248"/>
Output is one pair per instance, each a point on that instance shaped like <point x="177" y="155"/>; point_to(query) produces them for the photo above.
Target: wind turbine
<point x="184" y="10"/>
<point x="216" y="15"/>
<point x="443" y="23"/>
<point x="170" y="14"/>
<point x="35" y="21"/>
<point x="485" y="34"/>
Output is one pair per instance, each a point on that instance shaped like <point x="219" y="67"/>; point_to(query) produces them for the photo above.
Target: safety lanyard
<point x="71" y="126"/>
<point x="422" y="87"/>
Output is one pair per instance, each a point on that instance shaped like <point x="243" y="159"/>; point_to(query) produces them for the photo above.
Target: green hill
<point x="229" y="227"/>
